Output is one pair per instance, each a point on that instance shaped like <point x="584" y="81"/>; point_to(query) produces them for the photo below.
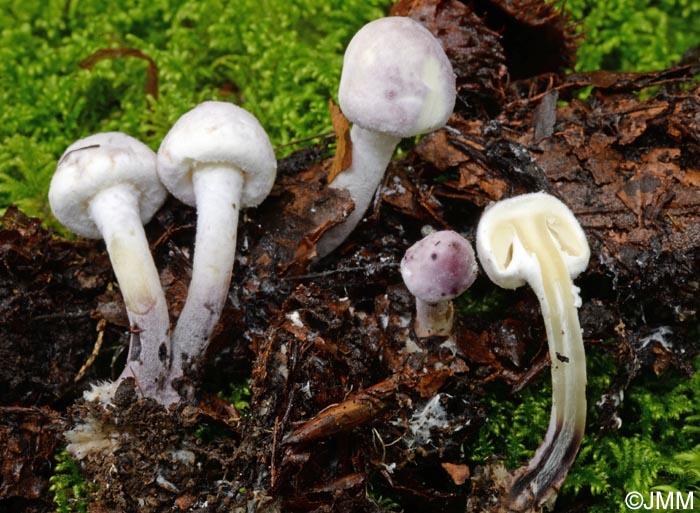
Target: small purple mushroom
<point x="437" y="269"/>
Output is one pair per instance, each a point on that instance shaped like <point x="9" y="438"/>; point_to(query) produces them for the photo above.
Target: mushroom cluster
<point x="216" y="157"/>
<point x="396" y="82"/>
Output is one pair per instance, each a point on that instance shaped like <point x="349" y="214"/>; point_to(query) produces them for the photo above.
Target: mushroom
<point x="106" y="186"/>
<point x="396" y="82"/>
<point x="219" y="159"/>
<point x="536" y="239"/>
<point x="437" y="269"/>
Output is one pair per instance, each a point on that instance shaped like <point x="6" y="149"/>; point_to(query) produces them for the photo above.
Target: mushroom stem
<point x="115" y="212"/>
<point x="433" y="319"/>
<point x="371" y="154"/>
<point x="536" y="239"/>
<point x="559" y="300"/>
<point x="217" y="188"/>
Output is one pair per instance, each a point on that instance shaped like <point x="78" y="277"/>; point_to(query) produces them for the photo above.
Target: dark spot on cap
<point x="433" y="256"/>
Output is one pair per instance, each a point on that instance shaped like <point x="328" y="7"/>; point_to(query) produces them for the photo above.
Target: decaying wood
<point x="29" y="437"/>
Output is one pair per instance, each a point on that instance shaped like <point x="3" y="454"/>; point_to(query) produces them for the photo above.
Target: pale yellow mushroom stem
<point x="536" y="239"/>
<point x="558" y="299"/>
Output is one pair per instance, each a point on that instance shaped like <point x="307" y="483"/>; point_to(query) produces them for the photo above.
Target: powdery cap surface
<point x="217" y="133"/>
<point x="96" y="163"/>
<point x="439" y="267"/>
<point x="396" y="79"/>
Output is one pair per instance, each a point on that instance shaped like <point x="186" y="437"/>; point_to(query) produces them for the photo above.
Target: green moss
<point x="283" y="67"/>
<point x="239" y="396"/>
<point x="659" y="429"/>
<point x="485" y="307"/>
<point x="634" y="35"/>
<point x="69" y="490"/>
<point x="656" y="448"/>
<point x="514" y="426"/>
<point x="683" y="473"/>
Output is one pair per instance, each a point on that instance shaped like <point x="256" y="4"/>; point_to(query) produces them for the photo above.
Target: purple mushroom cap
<point x="439" y="267"/>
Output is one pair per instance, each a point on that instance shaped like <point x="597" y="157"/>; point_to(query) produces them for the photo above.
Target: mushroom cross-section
<point x="396" y="82"/>
<point x="106" y="186"/>
<point x="218" y="158"/>
<point x="437" y="269"/>
<point x="536" y="239"/>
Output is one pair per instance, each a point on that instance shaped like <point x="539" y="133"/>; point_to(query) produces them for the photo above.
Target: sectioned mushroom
<point x="396" y="82"/>
<point x="106" y="186"/>
<point x="536" y="239"/>
<point x="437" y="269"/>
<point x="218" y="158"/>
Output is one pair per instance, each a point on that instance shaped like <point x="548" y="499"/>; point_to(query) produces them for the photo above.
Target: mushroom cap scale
<point x="217" y="133"/>
<point x="439" y="267"/>
<point x="503" y="254"/>
<point x="396" y="79"/>
<point x="96" y="163"/>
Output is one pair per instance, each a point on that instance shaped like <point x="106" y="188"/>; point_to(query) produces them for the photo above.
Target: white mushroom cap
<point x="96" y="163"/>
<point x="501" y="251"/>
<point x="217" y="133"/>
<point x="439" y="267"/>
<point x="396" y="79"/>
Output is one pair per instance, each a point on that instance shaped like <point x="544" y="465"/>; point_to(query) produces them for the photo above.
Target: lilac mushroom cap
<point x="396" y="82"/>
<point x="437" y="269"/>
<point x="396" y="79"/>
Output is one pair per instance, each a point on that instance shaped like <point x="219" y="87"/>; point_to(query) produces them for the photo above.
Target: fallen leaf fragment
<point x="357" y="410"/>
<point x="458" y="473"/>
<point x="343" y="150"/>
